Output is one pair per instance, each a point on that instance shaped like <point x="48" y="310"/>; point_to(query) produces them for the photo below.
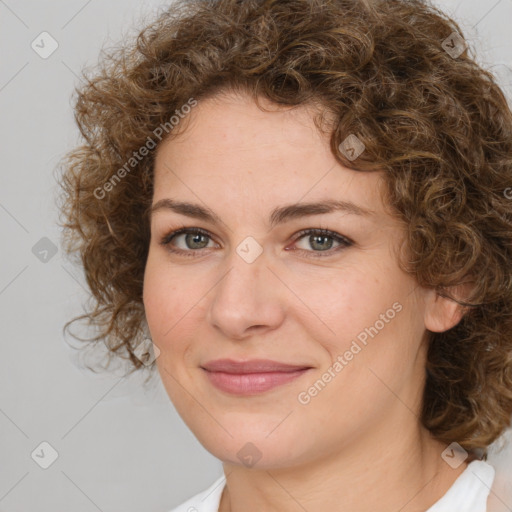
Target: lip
<point x="251" y="377"/>
<point x="251" y="366"/>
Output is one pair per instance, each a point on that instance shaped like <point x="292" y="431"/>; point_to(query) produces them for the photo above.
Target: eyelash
<point x="345" y="242"/>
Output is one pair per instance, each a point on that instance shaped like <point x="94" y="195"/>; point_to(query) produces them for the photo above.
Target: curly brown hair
<point x="435" y="122"/>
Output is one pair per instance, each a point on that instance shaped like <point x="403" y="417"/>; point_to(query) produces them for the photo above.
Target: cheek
<point x="170" y="316"/>
<point x="370" y="310"/>
<point x="344" y="303"/>
<point x="162" y="304"/>
<point x="174" y="305"/>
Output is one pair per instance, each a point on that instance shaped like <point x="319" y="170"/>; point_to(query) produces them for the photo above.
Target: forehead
<point x="233" y="122"/>
<point x="227" y="148"/>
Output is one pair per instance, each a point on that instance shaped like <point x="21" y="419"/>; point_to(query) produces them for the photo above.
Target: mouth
<point x="251" y="377"/>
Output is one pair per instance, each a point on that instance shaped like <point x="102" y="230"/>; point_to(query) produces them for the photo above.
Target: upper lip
<point x="252" y="366"/>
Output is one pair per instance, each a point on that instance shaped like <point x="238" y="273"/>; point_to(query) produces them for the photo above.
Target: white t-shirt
<point x="468" y="493"/>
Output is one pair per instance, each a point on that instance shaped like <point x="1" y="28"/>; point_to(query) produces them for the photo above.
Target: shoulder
<point x="204" y="501"/>
<point x="470" y="491"/>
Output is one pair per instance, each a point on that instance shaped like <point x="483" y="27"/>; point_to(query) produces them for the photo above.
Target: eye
<point x="322" y="240"/>
<point x="195" y="239"/>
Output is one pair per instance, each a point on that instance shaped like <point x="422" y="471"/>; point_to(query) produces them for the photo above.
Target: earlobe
<point x="442" y="313"/>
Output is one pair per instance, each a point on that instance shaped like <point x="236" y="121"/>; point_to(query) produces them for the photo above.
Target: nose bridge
<point x="244" y="280"/>
<point x="245" y="297"/>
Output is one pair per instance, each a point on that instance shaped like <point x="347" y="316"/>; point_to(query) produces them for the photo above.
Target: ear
<point x="442" y="313"/>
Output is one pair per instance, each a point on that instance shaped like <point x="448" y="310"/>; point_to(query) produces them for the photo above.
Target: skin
<point x="358" y="443"/>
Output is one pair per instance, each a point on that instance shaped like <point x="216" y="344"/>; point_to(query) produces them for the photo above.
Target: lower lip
<point x="251" y="383"/>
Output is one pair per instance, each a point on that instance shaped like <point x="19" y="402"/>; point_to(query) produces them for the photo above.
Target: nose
<point x="248" y="299"/>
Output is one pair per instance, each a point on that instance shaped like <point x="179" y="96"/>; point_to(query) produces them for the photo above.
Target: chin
<point x="255" y="455"/>
<point x="255" y="449"/>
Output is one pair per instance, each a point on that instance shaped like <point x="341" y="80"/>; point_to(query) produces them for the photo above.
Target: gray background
<point x="121" y="446"/>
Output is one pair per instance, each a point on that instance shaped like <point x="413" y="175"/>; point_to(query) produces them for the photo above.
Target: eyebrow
<point x="278" y="216"/>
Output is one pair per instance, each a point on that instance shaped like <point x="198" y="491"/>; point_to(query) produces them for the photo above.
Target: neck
<point x="396" y="468"/>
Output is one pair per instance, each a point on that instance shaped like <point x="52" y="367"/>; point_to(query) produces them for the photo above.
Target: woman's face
<point x="253" y="287"/>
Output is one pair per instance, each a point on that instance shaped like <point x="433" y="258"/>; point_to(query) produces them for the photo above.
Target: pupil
<point x="196" y="238"/>
<point x="321" y="237"/>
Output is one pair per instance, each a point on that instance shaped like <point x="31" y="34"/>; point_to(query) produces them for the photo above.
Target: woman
<point x="304" y="203"/>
